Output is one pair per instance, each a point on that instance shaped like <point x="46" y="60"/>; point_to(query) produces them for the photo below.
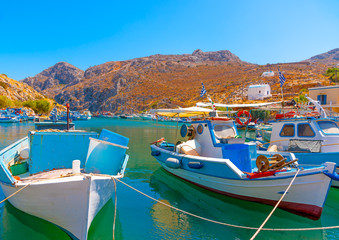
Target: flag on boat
<point x="203" y="90"/>
<point x="281" y="78"/>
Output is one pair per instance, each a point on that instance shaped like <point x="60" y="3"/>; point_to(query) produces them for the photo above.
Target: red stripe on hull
<point x="310" y="211"/>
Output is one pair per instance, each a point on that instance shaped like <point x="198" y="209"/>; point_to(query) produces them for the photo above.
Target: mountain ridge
<point x="169" y="80"/>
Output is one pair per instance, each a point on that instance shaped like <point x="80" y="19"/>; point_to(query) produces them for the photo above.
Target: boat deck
<point x="53" y="174"/>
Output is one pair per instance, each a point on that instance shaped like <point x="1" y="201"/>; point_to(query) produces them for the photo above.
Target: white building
<point x="267" y="74"/>
<point x="259" y="92"/>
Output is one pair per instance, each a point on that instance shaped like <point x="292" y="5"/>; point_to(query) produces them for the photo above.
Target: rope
<point x="228" y="224"/>
<point x="15" y="193"/>
<point x="275" y="207"/>
<point x="115" y="204"/>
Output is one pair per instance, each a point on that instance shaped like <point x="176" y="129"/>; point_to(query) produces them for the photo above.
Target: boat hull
<point x="306" y="197"/>
<point x="71" y="203"/>
<point x="319" y="158"/>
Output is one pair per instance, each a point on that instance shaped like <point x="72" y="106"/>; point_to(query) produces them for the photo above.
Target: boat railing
<point x="7" y="155"/>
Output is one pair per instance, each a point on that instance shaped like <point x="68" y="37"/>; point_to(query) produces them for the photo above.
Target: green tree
<point x="331" y="73"/>
<point x="39" y="106"/>
<point x="5" y="102"/>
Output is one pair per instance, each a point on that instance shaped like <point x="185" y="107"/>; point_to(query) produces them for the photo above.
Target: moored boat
<point x="215" y="159"/>
<point x="313" y="140"/>
<point x="68" y="175"/>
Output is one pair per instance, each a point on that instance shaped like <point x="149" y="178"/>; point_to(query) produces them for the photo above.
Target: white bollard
<point x="76" y="167"/>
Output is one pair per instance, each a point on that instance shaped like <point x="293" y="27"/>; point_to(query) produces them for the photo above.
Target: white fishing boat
<point x="64" y="177"/>
<point x="313" y="140"/>
<point x="214" y="158"/>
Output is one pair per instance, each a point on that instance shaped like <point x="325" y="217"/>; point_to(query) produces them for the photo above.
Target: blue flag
<point x="203" y="90"/>
<point x="281" y="78"/>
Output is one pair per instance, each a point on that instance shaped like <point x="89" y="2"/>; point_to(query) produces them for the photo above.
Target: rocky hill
<point x="330" y="57"/>
<point x="55" y="78"/>
<point x="170" y="81"/>
<point x="15" y="90"/>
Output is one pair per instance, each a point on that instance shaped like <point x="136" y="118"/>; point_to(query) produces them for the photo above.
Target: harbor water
<point x="139" y="217"/>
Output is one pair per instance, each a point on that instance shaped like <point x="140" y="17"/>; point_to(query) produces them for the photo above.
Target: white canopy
<point x="200" y="104"/>
<point x="184" y="112"/>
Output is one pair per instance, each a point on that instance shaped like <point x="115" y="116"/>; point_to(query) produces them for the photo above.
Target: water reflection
<point x="221" y="208"/>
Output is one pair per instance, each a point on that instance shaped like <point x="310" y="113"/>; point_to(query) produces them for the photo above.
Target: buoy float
<point x="249" y="117"/>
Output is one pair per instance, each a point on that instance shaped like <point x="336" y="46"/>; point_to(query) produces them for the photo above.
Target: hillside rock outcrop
<point x="61" y="73"/>
<point x="15" y="90"/>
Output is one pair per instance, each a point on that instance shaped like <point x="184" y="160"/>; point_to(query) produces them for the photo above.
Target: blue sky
<point x="37" y="34"/>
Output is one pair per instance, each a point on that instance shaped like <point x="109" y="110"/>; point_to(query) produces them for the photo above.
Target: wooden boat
<point x="213" y="158"/>
<point x="67" y="175"/>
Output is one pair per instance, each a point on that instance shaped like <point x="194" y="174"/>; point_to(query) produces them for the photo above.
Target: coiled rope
<point x="227" y="224"/>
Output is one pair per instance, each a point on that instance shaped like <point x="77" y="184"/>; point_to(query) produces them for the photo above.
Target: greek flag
<point x="203" y="90"/>
<point x="281" y="78"/>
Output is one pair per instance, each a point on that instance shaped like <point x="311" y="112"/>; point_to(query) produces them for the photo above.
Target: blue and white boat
<point x="215" y="159"/>
<point x="6" y="117"/>
<point x="68" y="176"/>
<point x="312" y="140"/>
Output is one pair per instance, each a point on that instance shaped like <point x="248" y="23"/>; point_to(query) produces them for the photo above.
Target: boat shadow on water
<point x="17" y="224"/>
<point x="188" y="197"/>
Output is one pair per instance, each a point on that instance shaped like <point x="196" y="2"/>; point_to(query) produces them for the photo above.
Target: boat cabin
<point x="305" y="135"/>
<point x="218" y="138"/>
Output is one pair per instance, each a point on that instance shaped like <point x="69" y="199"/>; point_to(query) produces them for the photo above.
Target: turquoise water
<point x="141" y="218"/>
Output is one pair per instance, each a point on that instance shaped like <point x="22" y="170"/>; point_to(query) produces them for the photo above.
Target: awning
<point x="200" y="104"/>
<point x="184" y="112"/>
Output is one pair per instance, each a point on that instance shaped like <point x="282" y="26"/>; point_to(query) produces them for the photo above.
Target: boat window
<point x="305" y="130"/>
<point x="200" y="128"/>
<point x="328" y="127"/>
<point x="287" y="130"/>
<point x="224" y="131"/>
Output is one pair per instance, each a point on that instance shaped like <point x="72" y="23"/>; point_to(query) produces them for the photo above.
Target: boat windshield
<point x="224" y="131"/>
<point x="328" y="127"/>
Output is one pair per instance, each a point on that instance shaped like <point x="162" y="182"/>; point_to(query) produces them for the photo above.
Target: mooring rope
<point x="115" y="204"/>
<point x="228" y="224"/>
<point x="275" y="207"/>
<point x="15" y="193"/>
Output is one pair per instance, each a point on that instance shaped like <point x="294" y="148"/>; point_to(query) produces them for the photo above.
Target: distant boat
<point x="68" y="174"/>
<point x="9" y="119"/>
<point x="145" y="116"/>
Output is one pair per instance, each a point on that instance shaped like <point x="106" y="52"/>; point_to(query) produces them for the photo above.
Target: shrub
<point x="331" y="73"/>
<point x="39" y="106"/>
<point x="260" y="114"/>
<point x="301" y="99"/>
<point x="5" y="102"/>
<point x="4" y="85"/>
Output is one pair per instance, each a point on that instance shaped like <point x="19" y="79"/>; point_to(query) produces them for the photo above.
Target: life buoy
<point x="249" y="117"/>
<point x="17" y="112"/>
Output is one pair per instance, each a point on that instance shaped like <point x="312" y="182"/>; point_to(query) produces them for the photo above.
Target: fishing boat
<point x="215" y="158"/>
<point x="64" y="177"/>
<point x="8" y="119"/>
<point x="313" y="140"/>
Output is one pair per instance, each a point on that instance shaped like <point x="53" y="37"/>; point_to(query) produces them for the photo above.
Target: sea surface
<point x="139" y="217"/>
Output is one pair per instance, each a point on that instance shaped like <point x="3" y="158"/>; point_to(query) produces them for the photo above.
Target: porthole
<point x="200" y="129"/>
